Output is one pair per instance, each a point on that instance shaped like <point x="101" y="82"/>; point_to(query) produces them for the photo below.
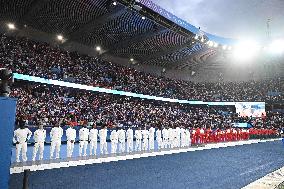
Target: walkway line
<point x="20" y="167"/>
<point x="269" y="181"/>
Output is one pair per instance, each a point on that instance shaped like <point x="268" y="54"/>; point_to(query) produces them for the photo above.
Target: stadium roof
<point x="138" y="30"/>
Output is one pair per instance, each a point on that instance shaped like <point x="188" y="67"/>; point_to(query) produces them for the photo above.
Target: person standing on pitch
<point x="83" y="137"/>
<point x="21" y="136"/>
<point x="114" y="141"/>
<point x="39" y="138"/>
<point x="182" y="137"/>
<point x="93" y="138"/>
<point x="71" y="137"/>
<point x="121" y="140"/>
<point x="165" y="133"/>
<point x="145" y="138"/>
<point x="151" y="138"/>
<point x="138" y="137"/>
<point x="55" y="135"/>
<point x="103" y="138"/>
<point x="159" y="138"/>
<point x="129" y="136"/>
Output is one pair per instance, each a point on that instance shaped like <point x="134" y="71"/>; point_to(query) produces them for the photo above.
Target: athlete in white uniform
<point x="39" y="138"/>
<point x="93" y="138"/>
<point x="182" y="137"/>
<point x="165" y="133"/>
<point x="151" y="138"/>
<point x="83" y="137"/>
<point x="55" y="135"/>
<point x="21" y="136"/>
<point x="138" y="137"/>
<point x="177" y="137"/>
<point x="171" y="137"/>
<point x="114" y="141"/>
<point x="187" y="138"/>
<point x="121" y="140"/>
<point x="103" y="142"/>
<point x="71" y="137"/>
<point x="145" y="139"/>
<point x="129" y="136"/>
<point x="159" y="138"/>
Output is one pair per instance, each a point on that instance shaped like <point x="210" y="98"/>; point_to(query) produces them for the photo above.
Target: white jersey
<point x="93" y="135"/>
<point x="145" y="134"/>
<point x="138" y="134"/>
<point x="129" y="134"/>
<point x="56" y="133"/>
<point x="84" y="134"/>
<point x="22" y="135"/>
<point x="151" y="132"/>
<point x="165" y="133"/>
<point x="103" y="135"/>
<point x="158" y="134"/>
<point x="71" y="134"/>
<point x="178" y="132"/>
<point x="114" y="136"/>
<point x="39" y="135"/>
<point x="121" y="135"/>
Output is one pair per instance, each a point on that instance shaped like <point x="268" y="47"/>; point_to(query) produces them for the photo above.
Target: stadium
<point x="125" y="94"/>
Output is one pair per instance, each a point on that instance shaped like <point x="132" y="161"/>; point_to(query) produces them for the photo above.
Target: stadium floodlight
<point x="60" y="37"/>
<point x="11" y="26"/>
<point x="276" y="47"/>
<point x="245" y="50"/>
<point x="98" y="48"/>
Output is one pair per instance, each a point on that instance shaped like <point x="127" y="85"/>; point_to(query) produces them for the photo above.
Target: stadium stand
<point x="40" y="59"/>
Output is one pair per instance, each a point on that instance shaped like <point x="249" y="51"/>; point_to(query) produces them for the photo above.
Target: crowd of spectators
<point x="55" y="104"/>
<point x="40" y="59"/>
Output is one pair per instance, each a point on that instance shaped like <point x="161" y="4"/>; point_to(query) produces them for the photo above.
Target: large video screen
<point x="254" y="109"/>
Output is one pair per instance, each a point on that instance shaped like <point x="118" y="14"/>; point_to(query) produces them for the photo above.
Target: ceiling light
<point x="60" y="37"/>
<point x="98" y="48"/>
<point x="11" y="26"/>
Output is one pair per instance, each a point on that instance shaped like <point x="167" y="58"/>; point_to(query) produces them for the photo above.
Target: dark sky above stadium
<point x="245" y="19"/>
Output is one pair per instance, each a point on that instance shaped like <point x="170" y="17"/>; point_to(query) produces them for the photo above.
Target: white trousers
<point x="70" y="148"/>
<point x="55" y="145"/>
<point x="129" y="145"/>
<point x="160" y="143"/>
<point x="138" y="145"/>
<point x="121" y="147"/>
<point x="21" y="147"/>
<point x="113" y="147"/>
<point x="38" y="146"/>
<point x="145" y="144"/>
<point x="103" y="146"/>
<point x="151" y="143"/>
<point x="93" y="147"/>
<point x="166" y="143"/>
<point x="83" y="145"/>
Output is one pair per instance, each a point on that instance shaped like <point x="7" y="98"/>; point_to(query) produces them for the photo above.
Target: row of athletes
<point x="200" y="135"/>
<point x="121" y="140"/>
